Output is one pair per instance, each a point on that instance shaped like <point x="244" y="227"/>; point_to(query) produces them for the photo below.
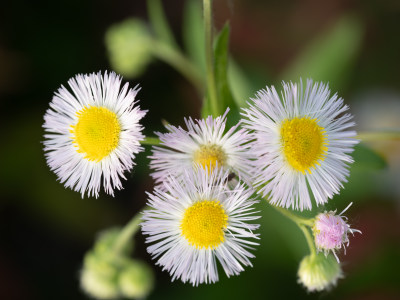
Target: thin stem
<point x="378" y="135"/>
<point x="309" y="239"/>
<point x="150" y="141"/>
<point x="127" y="233"/>
<point x="297" y="219"/>
<point x="303" y="224"/>
<point x="177" y="60"/>
<point x="211" y="85"/>
<point x="159" y="22"/>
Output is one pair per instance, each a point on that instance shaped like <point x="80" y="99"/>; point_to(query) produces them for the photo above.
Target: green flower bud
<point x="99" y="277"/>
<point x="317" y="272"/>
<point x="129" y="47"/>
<point x="136" y="280"/>
<point x="101" y="266"/>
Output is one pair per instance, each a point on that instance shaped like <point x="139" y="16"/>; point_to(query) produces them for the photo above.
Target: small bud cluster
<point x="110" y="275"/>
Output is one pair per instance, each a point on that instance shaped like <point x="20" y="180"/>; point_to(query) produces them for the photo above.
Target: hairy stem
<point x="150" y="141"/>
<point x="211" y="85"/>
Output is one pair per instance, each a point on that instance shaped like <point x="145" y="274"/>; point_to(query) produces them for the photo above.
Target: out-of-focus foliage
<point x="129" y="47"/>
<point x="330" y="57"/>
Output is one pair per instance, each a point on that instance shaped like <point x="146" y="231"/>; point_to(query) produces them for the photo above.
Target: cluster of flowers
<point x="289" y="148"/>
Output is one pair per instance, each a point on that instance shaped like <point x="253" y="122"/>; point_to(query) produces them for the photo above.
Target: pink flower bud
<point x="330" y="231"/>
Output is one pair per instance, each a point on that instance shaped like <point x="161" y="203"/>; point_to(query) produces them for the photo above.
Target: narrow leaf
<point x="193" y="33"/>
<point x="330" y="56"/>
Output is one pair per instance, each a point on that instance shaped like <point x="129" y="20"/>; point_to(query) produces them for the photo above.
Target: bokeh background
<point x="45" y="229"/>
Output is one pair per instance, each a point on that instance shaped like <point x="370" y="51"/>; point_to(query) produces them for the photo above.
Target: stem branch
<point x="309" y="239"/>
<point x="178" y="61"/>
<point x="303" y="224"/>
<point x="297" y="219"/>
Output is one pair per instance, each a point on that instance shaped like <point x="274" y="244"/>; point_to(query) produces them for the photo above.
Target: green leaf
<point x="367" y="159"/>
<point x="330" y="56"/>
<point x="193" y="33"/>
<point x="242" y="87"/>
<point x="221" y="58"/>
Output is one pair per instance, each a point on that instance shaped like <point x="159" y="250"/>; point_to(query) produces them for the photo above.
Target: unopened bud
<point x="318" y="272"/>
<point x="102" y="266"/>
<point x="99" y="277"/>
<point x="136" y="280"/>
<point x="129" y="47"/>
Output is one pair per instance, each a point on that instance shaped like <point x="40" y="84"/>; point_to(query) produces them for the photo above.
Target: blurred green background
<point x="45" y="229"/>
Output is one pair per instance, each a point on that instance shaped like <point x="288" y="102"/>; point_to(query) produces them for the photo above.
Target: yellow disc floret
<point x="304" y="143"/>
<point x="204" y="224"/>
<point x="96" y="133"/>
<point x="210" y="154"/>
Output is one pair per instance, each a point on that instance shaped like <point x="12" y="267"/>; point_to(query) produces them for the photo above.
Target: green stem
<point x="159" y="22"/>
<point x="127" y="233"/>
<point x="309" y="239"/>
<point x="378" y="135"/>
<point x="150" y="141"/>
<point x="178" y="61"/>
<point x="302" y="223"/>
<point x="211" y="85"/>
<point x="297" y="219"/>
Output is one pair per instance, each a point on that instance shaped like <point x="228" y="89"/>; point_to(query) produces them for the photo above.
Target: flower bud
<point x="129" y="47"/>
<point x="99" y="277"/>
<point x="102" y="266"/>
<point x="330" y="232"/>
<point x="136" y="280"/>
<point x="317" y="272"/>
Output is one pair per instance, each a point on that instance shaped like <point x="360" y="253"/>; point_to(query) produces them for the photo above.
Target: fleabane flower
<point x="205" y="143"/>
<point x="302" y="142"/>
<point x="331" y="231"/>
<point x="196" y="221"/>
<point x="93" y="132"/>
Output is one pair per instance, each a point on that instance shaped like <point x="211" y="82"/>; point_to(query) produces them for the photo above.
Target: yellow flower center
<point x="96" y="133"/>
<point x="304" y="143"/>
<point x="208" y="155"/>
<point x="203" y="224"/>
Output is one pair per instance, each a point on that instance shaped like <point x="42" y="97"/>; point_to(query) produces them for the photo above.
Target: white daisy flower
<point x="197" y="221"/>
<point x="203" y="143"/>
<point x="93" y="133"/>
<point x="302" y="142"/>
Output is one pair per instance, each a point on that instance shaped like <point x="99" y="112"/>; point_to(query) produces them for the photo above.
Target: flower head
<point x="93" y="133"/>
<point x="331" y="231"/>
<point x="302" y="141"/>
<point x="204" y="143"/>
<point x="197" y="220"/>
<point x="317" y="272"/>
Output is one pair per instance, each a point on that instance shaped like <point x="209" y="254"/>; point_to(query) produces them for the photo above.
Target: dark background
<point x="46" y="229"/>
